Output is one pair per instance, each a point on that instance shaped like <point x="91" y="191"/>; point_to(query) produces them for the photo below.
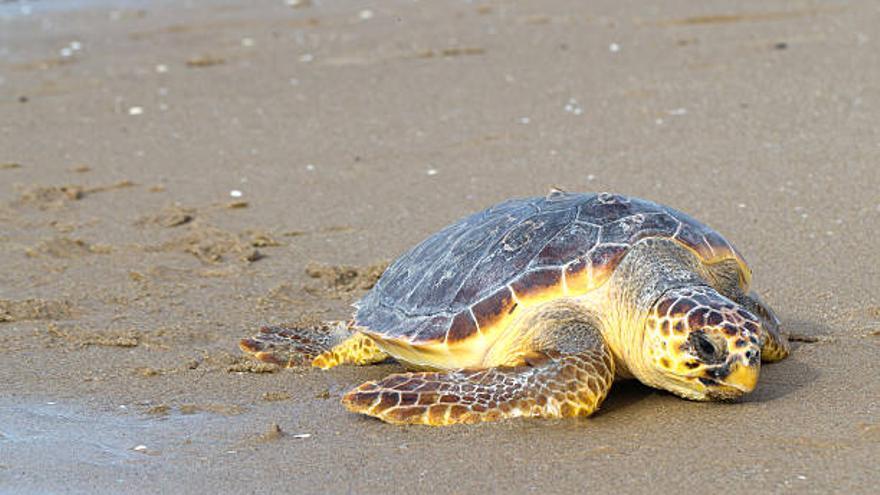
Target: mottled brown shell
<point x="470" y="278"/>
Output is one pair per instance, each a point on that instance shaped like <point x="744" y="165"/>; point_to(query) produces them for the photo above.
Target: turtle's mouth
<point x="726" y="381"/>
<point x="731" y="380"/>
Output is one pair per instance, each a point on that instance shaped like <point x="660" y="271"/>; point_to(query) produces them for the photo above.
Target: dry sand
<point x="353" y="130"/>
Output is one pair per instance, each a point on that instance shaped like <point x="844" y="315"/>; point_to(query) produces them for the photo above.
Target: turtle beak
<point x="737" y="377"/>
<point x="744" y="370"/>
<point x="743" y="377"/>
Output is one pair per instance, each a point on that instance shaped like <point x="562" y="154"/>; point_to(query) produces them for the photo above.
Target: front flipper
<point x="558" y="385"/>
<point x="774" y="345"/>
<point x="323" y="346"/>
<point x="358" y="349"/>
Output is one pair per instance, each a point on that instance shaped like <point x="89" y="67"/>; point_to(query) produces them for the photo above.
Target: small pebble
<point x="573" y="107"/>
<point x="161" y="68"/>
<point x="614" y="48"/>
<point x="235" y="193"/>
<point x="247" y="42"/>
<point x="524" y="120"/>
<point x="66" y="52"/>
<point x="302" y="435"/>
<point x="75" y="45"/>
<point x="432" y="171"/>
<point x="310" y="167"/>
<point x="135" y="110"/>
<point x="140" y="448"/>
<point x="366" y="14"/>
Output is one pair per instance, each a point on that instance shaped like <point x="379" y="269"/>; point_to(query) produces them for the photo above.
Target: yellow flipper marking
<point x="357" y="349"/>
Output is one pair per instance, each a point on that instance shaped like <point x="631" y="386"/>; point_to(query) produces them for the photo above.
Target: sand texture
<point x="174" y="175"/>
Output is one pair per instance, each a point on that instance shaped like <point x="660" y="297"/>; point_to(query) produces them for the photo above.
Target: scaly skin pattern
<point x="288" y="346"/>
<point x="358" y="350"/>
<point x="698" y="335"/>
<point x="775" y="348"/>
<point x="323" y="345"/>
<point x="558" y="386"/>
<point x="774" y="345"/>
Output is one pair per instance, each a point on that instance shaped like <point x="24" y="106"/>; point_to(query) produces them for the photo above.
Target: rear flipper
<point x="323" y="346"/>
<point x="774" y="345"/>
<point x="559" y="385"/>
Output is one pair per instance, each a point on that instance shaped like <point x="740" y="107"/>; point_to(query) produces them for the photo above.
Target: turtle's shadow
<point x="792" y="373"/>
<point x="625" y="394"/>
<point x="777" y="379"/>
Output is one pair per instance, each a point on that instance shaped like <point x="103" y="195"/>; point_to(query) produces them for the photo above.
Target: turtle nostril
<point x="752" y="356"/>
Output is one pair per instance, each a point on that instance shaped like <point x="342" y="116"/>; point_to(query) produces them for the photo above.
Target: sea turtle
<point x="535" y="306"/>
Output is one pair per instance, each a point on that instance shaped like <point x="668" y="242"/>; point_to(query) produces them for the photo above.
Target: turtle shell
<point x="469" y="279"/>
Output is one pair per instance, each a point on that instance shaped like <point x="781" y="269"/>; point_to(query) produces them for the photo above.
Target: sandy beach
<point x="175" y="175"/>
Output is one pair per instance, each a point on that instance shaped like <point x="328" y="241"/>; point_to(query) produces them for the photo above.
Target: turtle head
<point x="701" y="345"/>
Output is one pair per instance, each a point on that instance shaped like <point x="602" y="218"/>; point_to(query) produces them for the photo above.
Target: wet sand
<point x="129" y="267"/>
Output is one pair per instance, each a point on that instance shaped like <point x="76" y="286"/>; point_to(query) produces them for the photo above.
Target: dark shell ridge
<point x="436" y="285"/>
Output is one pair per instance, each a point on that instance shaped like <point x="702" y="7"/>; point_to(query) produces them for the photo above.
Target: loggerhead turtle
<point x="533" y="307"/>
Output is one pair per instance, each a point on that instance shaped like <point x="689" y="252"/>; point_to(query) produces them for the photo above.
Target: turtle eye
<point x="705" y="348"/>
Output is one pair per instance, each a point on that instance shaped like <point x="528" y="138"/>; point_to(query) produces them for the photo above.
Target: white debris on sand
<point x="573" y="107"/>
